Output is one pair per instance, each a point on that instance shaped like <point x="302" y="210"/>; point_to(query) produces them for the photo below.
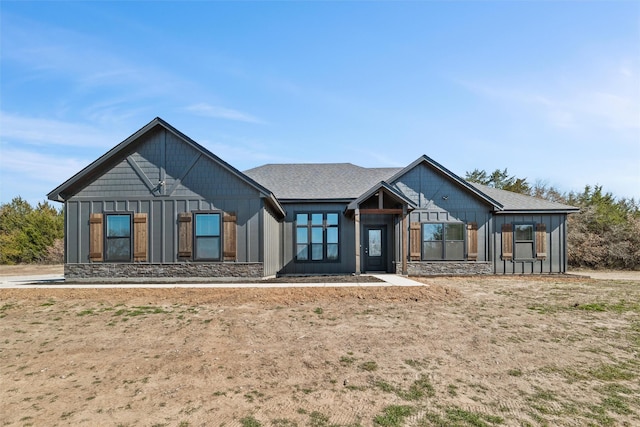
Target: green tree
<point x="542" y="190"/>
<point x="26" y="233"/>
<point x="606" y="231"/>
<point x="499" y="179"/>
<point x="604" y="234"/>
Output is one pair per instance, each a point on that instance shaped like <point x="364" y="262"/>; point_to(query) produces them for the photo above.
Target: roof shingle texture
<point x="318" y="180"/>
<point x="515" y="201"/>
<point x="322" y="181"/>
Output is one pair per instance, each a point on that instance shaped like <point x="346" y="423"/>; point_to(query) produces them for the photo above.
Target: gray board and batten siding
<point x="164" y="180"/>
<point x="550" y="220"/>
<point x="438" y="199"/>
<point x="554" y="260"/>
<point x="158" y="173"/>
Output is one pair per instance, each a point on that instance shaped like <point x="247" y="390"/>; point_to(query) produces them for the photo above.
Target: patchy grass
<point x="462" y="352"/>
<point x="347" y="360"/>
<point x="393" y="416"/>
<point x="368" y="366"/>
<point x="418" y="390"/>
<point x="613" y="372"/>
<point x="458" y="415"/>
<point x="250" y="421"/>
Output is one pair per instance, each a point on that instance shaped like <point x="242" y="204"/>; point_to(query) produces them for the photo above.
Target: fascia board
<point x="537" y="211"/>
<point x="291" y="201"/>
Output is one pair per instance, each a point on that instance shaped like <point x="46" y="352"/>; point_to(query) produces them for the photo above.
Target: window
<point x="317" y="237"/>
<point x="443" y="241"/>
<point x="207" y="236"/>
<point x="524" y="241"/>
<point x="118" y="238"/>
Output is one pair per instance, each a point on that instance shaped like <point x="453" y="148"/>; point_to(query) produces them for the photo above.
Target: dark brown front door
<point x="375" y="248"/>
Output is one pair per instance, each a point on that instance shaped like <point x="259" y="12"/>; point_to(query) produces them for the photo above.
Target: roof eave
<point x="275" y="203"/>
<point x="537" y="211"/>
<point x="312" y="200"/>
<point x="55" y="197"/>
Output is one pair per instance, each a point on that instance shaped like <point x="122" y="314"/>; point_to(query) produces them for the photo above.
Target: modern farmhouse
<point x="160" y="205"/>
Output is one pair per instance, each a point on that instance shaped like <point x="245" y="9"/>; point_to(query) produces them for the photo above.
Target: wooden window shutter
<point x="541" y="241"/>
<point x="414" y="241"/>
<point x="230" y="236"/>
<point x="472" y="241"/>
<point x="140" y="240"/>
<point x="507" y="241"/>
<point x="185" y="235"/>
<point x="96" y="245"/>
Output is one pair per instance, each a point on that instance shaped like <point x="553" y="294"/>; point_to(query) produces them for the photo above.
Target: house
<point x="160" y="205"/>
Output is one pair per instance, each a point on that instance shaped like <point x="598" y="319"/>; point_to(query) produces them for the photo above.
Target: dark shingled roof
<point x="318" y="180"/>
<point x="346" y="181"/>
<point x="511" y="201"/>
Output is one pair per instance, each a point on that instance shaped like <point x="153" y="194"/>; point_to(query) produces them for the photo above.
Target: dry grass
<point x="460" y="352"/>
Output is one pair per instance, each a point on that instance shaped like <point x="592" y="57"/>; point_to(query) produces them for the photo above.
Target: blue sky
<point x="549" y="90"/>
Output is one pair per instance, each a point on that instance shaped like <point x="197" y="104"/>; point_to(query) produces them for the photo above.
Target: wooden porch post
<point x="356" y="218"/>
<point x="404" y="230"/>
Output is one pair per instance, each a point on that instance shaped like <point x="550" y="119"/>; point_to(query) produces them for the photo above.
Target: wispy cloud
<point x="32" y="174"/>
<point x="39" y="131"/>
<point x="35" y="166"/>
<point x="73" y="66"/>
<point x="217" y="112"/>
<point x="605" y="98"/>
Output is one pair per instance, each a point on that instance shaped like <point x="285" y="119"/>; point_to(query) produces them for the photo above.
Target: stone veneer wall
<point x="449" y="268"/>
<point x="227" y="270"/>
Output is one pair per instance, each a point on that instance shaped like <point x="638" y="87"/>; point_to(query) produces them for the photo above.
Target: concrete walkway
<point x="49" y="281"/>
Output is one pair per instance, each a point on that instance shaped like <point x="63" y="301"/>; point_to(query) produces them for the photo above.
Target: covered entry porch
<point x="381" y="218"/>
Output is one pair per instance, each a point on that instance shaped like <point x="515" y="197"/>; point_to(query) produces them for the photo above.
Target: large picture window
<point x="317" y="237"/>
<point x="207" y="236"/>
<point x="524" y="241"/>
<point x="118" y="238"/>
<point x="443" y="241"/>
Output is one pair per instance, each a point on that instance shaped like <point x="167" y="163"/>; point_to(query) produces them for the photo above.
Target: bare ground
<point x="460" y="351"/>
<point x="30" y="269"/>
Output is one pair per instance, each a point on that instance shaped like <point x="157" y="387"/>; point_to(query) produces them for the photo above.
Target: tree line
<point x="604" y="234"/>
<point x="31" y="234"/>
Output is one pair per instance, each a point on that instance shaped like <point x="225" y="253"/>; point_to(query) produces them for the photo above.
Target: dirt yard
<point x="458" y="352"/>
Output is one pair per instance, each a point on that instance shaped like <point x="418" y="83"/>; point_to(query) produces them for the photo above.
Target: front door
<point x="375" y="248"/>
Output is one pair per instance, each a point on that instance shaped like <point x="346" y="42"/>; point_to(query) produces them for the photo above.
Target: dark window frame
<point x="196" y="237"/>
<point x="310" y="237"/>
<point x="110" y="240"/>
<point x="443" y="241"/>
<point x="521" y="242"/>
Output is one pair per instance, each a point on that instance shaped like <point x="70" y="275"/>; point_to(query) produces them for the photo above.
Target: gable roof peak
<point x="424" y="159"/>
<point x="70" y="186"/>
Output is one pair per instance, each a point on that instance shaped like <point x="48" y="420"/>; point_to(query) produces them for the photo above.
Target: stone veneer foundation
<point x="102" y="271"/>
<point x="449" y="268"/>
